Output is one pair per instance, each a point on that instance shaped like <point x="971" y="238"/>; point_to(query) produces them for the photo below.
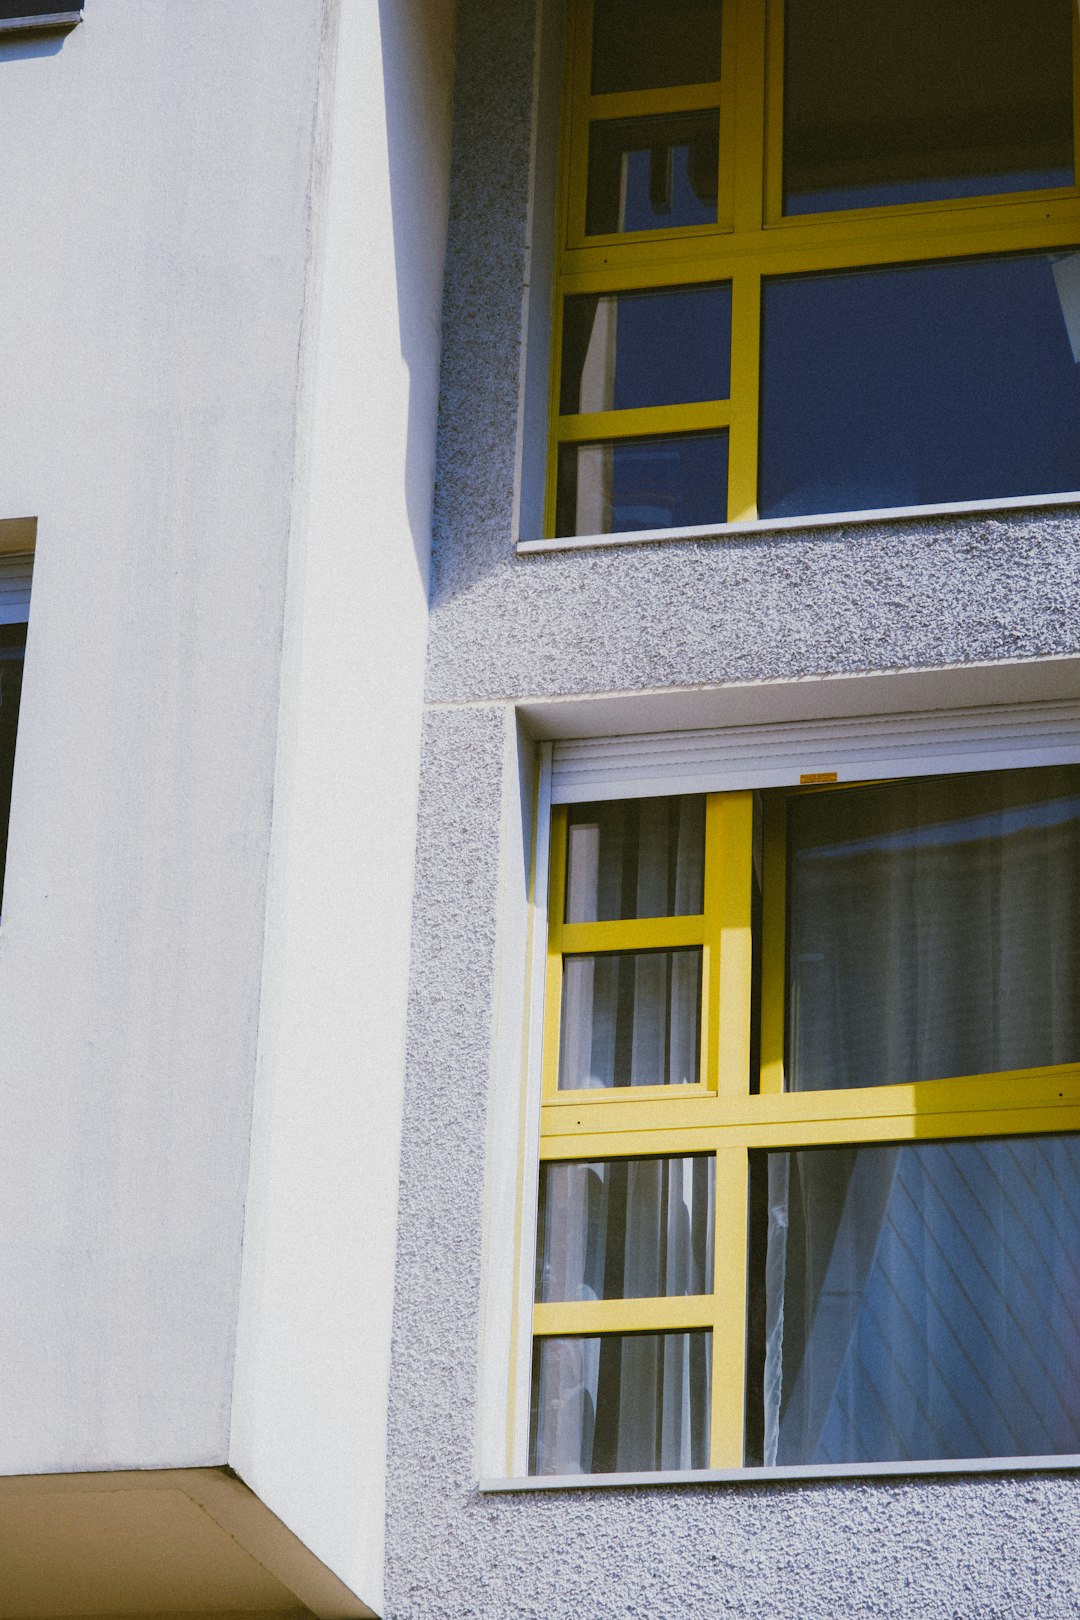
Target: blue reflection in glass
<point x="893" y="194"/>
<point x="908" y="386"/>
<point x="648" y="174"/>
<point x="642" y="484"/>
<point x="625" y="350"/>
<point x="922" y="1302"/>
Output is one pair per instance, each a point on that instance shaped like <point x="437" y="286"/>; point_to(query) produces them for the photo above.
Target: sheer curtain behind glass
<point x="934" y="929"/>
<point x="633" y="1018"/>
<point x="623" y="1229"/>
<point x="922" y="1302"/>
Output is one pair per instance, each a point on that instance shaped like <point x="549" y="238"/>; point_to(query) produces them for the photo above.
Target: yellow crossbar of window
<point x="650" y="103"/>
<point x="639" y="934"/>
<point x="652" y="419"/>
<point x="675" y="1313"/>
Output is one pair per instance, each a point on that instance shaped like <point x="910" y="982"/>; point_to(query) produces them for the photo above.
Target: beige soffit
<point x="161" y="1543"/>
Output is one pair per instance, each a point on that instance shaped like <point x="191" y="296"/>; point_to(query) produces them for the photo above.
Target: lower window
<point x="849" y="1232"/>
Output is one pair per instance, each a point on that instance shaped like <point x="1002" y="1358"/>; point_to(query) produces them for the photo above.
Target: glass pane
<point x="648" y="174"/>
<point x="626" y="1228"/>
<point x="902" y="387"/>
<point x="651" y="44"/>
<point x="12" y="651"/>
<point x="630" y="1018"/>
<point x="899" y="101"/>
<point x="621" y="1403"/>
<point x="632" y="484"/>
<point x="934" y="928"/>
<point x="623" y="350"/>
<point x="920" y="1302"/>
<point x="636" y="858"/>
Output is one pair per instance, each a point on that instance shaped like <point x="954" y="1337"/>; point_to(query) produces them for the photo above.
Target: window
<point x="810" y="1138"/>
<point x="814" y="259"/>
<point x="15" y="577"/>
<point x="37" y="16"/>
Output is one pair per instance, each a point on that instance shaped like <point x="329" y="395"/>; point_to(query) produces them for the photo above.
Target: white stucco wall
<point x="309" y="1414"/>
<point x="155" y="197"/>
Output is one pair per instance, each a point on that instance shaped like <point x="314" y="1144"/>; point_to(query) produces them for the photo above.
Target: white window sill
<point x="765" y="1476"/>
<point x="831" y="520"/>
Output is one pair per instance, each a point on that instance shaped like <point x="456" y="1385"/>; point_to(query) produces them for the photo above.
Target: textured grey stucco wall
<point x="879" y="597"/>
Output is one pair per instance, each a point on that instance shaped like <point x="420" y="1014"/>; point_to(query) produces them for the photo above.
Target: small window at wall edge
<point x="17" y="539"/>
<point x="37" y="17"/>
<point x="706" y="461"/>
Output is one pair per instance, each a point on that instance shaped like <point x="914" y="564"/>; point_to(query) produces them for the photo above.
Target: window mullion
<point x="773" y="945"/>
<point x="728" y="944"/>
<point x="553" y="975"/>
<point x="728" y="1412"/>
<point x="745" y="384"/>
<point x="749" y="114"/>
<point x="773" y="173"/>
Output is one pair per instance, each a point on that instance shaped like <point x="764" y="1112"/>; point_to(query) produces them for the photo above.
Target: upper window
<point x="810" y="1139"/>
<point x="814" y="259"/>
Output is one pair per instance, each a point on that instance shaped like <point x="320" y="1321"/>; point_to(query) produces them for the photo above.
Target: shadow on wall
<point x="418" y="87"/>
<point x="21" y="50"/>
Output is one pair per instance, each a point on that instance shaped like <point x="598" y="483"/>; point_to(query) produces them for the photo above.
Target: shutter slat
<point x="778" y="755"/>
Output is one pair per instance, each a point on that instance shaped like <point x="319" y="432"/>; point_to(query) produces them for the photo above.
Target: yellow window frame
<point x="752" y="239"/>
<point x="722" y="1115"/>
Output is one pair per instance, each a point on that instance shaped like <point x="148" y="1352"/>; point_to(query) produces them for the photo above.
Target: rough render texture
<point x="878" y="597"/>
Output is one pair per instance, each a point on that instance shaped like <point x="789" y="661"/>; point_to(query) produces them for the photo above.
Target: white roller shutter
<point x="781" y="755"/>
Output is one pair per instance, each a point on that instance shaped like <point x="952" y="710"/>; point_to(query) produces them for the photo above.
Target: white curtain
<point x="923" y="1302"/>
<point x="934" y="929"/>
<point x="633" y="1018"/>
<point x="621" y="1403"/>
<point x="615" y="1229"/>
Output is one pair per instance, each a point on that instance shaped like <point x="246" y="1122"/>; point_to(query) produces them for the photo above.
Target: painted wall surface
<point x="309" y="1417"/>
<point x="152" y="274"/>
<point x="818" y="602"/>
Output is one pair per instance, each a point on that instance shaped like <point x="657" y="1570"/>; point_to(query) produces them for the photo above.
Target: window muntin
<point x="740" y="1116"/>
<point x="634" y="235"/>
